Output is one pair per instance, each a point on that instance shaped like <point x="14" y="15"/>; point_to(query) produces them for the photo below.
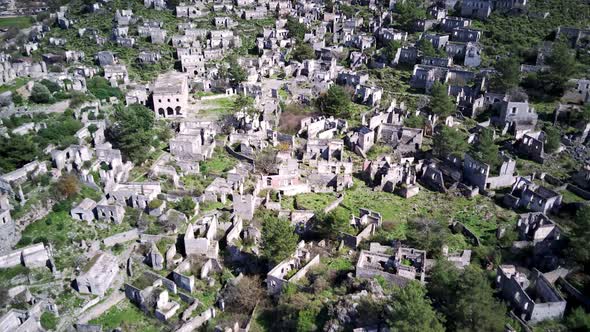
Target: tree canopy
<point x="186" y="205"/>
<point x="466" y="298"/>
<point x="390" y="49"/>
<point x="40" y="94"/>
<point x="412" y="311"/>
<point x="132" y="132"/>
<point x="441" y="103"/>
<point x="336" y="101"/>
<point x="408" y="12"/>
<point x="449" y="141"/>
<point x="16" y="151"/>
<point x="580" y="237"/>
<point x="562" y="63"/>
<point x="303" y="52"/>
<point x="296" y="29"/>
<point x="552" y="139"/>
<point x="330" y="225"/>
<point x="508" y="75"/>
<point x="485" y="150"/>
<point x="101" y="88"/>
<point x="279" y="240"/>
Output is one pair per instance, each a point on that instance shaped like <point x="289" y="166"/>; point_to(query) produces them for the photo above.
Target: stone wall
<point x="303" y="271"/>
<point x="8" y="236"/>
<point x="88" y="328"/>
<point x="238" y="155"/>
<point x="169" y="284"/>
<point x="578" y="191"/>
<point x="121" y="237"/>
<point x="185" y="282"/>
<point x="133" y="294"/>
<point x="198" y="321"/>
<point x="32" y="256"/>
<point x="334" y="204"/>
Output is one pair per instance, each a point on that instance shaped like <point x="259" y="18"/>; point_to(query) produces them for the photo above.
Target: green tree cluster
<point x="580" y="237"/>
<point x="485" y="150"/>
<point x="336" y="101"/>
<point x="552" y="139"/>
<point x="296" y="29"/>
<point x="450" y="141"/>
<point x="408" y="12"/>
<point x="132" y="131"/>
<point x="412" y="311"/>
<point x="303" y="51"/>
<point x="466" y="298"/>
<point x="279" y="240"/>
<point x="237" y="74"/>
<point x="508" y="75"/>
<point x="102" y="89"/>
<point x="427" y="48"/>
<point x="16" y="151"/>
<point x="186" y="205"/>
<point x="40" y="94"/>
<point x="441" y="103"/>
<point x="390" y="49"/>
<point x="330" y="225"/>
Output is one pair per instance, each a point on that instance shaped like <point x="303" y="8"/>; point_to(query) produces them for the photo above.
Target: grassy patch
<point x="339" y="264"/>
<point x="61" y="231"/>
<point x="570" y="197"/>
<point x="21" y="22"/>
<point x="210" y="206"/>
<point x="49" y="321"/>
<point x="69" y="300"/>
<point x="15" y="85"/>
<point x="479" y="214"/>
<point x="561" y="166"/>
<point x="128" y="317"/>
<point x="220" y="163"/>
<point x="227" y="102"/>
<point x="7" y="274"/>
<point x="313" y="201"/>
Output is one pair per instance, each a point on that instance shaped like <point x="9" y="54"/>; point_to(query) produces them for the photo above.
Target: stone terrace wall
<point x="121" y="237"/>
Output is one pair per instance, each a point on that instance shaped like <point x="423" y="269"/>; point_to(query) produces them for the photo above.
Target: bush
<point x="49" y="321"/>
<point x="17" y="99"/>
<point x="40" y="94"/>
<point x="52" y="86"/>
<point x="101" y="89"/>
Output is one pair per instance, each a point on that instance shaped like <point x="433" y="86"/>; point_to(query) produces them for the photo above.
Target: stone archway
<point x="178" y="110"/>
<point x="169" y="111"/>
<point x="161" y="112"/>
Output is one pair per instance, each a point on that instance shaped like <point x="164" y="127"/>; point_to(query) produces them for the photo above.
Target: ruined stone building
<point x="98" y="274"/>
<point x="481" y="175"/>
<point x="533" y="197"/>
<point x="292" y="269"/>
<point x="200" y="238"/>
<point x="533" y="298"/>
<point x="170" y="95"/>
<point x="396" y="265"/>
<point x="365" y="224"/>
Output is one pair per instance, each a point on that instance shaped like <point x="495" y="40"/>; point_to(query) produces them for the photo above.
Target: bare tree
<point x="242" y="296"/>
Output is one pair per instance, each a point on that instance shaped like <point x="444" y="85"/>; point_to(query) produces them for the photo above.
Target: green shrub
<point x="49" y="321"/>
<point x="101" y="89"/>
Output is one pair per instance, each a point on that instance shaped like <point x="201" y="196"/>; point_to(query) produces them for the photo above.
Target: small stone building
<point x="98" y="274"/>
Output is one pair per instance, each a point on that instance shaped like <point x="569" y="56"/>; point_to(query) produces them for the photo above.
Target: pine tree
<point x="485" y="150"/>
<point x="412" y="311"/>
<point x="279" y="240"/>
<point x="448" y="141"/>
<point x="441" y="103"/>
